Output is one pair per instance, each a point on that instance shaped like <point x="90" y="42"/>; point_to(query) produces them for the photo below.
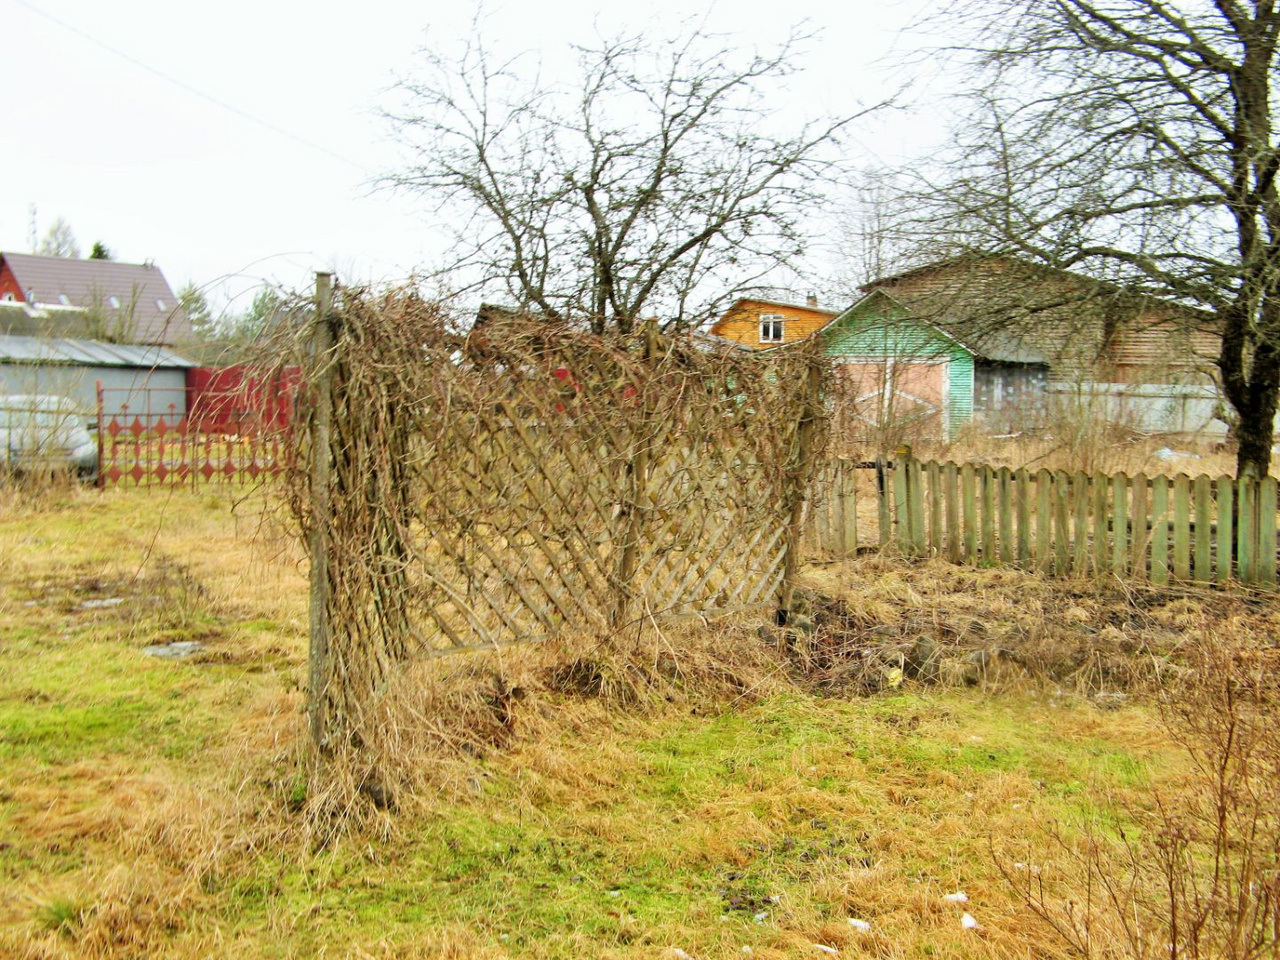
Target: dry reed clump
<point x="174" y="840"/>
<point x="1073" y="437"/>
<point x="1197" y="873"/>
<point x="34" y="494"/>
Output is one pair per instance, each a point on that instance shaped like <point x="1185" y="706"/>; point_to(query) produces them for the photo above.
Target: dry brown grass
<point x="660" y="763"/>
<point x="1090" y="447"/>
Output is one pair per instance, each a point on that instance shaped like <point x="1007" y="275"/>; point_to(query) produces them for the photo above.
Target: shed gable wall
<point x="882" y="330"/>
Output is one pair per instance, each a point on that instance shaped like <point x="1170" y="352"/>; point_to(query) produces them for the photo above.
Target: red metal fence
<point x="145" y="438"/>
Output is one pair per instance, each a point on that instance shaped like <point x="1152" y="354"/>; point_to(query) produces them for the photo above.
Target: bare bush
<point x="1196" y="874"/>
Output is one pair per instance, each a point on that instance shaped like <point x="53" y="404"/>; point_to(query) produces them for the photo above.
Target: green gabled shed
<point x="894" y="366"/>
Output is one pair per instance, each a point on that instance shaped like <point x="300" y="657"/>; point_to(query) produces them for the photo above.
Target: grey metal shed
<point x="130" y="373"/>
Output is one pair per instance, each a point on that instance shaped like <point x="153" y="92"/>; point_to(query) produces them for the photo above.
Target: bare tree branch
<point x="1135" y="140"/>
<point x="654" y="186"/>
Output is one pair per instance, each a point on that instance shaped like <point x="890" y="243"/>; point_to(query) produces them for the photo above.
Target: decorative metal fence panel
<point x="143" y="443"/>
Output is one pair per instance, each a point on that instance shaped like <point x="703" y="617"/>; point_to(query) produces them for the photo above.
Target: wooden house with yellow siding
<point x="761" y="324"/>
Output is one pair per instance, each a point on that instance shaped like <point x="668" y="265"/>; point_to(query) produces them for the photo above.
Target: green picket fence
<point x="1202" y="529"/>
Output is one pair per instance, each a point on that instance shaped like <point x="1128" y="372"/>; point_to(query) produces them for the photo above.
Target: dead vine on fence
<point x="516" y="479"/>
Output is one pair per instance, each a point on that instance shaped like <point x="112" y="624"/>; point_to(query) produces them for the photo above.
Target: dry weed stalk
<point x="1198" y="875"/>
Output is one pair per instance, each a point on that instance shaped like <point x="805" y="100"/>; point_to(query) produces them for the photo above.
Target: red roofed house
<point x="100" y="299"/>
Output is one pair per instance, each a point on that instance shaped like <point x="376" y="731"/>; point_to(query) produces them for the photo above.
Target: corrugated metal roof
<point x="135" y="288"/>
<point x="87" y="353"/>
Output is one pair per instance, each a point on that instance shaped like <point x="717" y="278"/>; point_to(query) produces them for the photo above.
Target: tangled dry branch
<point x="512" y="479"/>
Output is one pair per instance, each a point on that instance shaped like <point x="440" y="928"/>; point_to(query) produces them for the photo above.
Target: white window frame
<point x="775" y="325"/>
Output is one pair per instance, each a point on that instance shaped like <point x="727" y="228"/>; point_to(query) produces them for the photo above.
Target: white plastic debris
<point x="825" y="949"/>
<point x="761" y="916"/>
<point x="958" y="897"/>
<point x="678" y="954"/>
<point x="967" y="921"/>
<point x="860" y="925"/>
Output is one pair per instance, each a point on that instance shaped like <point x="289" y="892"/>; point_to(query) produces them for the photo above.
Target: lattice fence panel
<point x="515" y="480"/>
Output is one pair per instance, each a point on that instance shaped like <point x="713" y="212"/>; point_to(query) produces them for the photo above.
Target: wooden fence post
<point x="318" y="544"/>
<point x="883" y="516"/>
<point x="637" y="491"/>
<point x="800" y="475"/>
<point x="902" y="497"/>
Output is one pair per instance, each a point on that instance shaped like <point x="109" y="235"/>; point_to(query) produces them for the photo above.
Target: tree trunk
<point x="1258" y="414"/>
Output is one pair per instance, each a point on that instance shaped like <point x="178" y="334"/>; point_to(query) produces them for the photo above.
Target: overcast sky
<point x="110" y="118"/>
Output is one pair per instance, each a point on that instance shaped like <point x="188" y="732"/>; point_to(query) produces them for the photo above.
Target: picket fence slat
<point x="969" y="497"/>
<point x="1244" y="530"/>
<point x="1203" y="532"/>
<point x="934" y="474"/>
<point x="1044" y="538"/>
<point x="988" y="517"/>
<point x="1120" y="525"/>
<point x="1022" y="506"/>
<point x="1226" y="539"/>
<point x="1061" y="524"/>
<point x="1139" y="537"/>
<point x="1267" y="531"/>
<point x="951" y="495"/>
<point x="1198" y="529"/>
<point x="1004" y="480"/>
<point x="1080" y="505"/>
<point x="1101" y="547"/>
<point x="1159" y="530"/>
<point x="915" y="498"/>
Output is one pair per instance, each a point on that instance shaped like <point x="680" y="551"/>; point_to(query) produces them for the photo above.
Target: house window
<point x="771" y="327"/>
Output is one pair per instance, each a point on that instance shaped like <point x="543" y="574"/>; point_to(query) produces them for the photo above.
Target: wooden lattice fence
<point x="520" y="479"/>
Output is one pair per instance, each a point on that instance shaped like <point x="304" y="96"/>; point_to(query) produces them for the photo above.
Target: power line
<point x="188" y="88"/>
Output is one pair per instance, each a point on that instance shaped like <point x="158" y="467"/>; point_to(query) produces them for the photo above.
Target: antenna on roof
<point x="32" y="228"/>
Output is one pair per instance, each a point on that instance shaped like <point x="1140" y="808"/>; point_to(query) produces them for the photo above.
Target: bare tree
<point x="650" y="185"/>
<point x="59" y="241"/>
<point x="1134" y="140"/>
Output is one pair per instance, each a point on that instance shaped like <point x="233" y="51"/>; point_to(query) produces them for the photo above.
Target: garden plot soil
<point x="943" y="623"/>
